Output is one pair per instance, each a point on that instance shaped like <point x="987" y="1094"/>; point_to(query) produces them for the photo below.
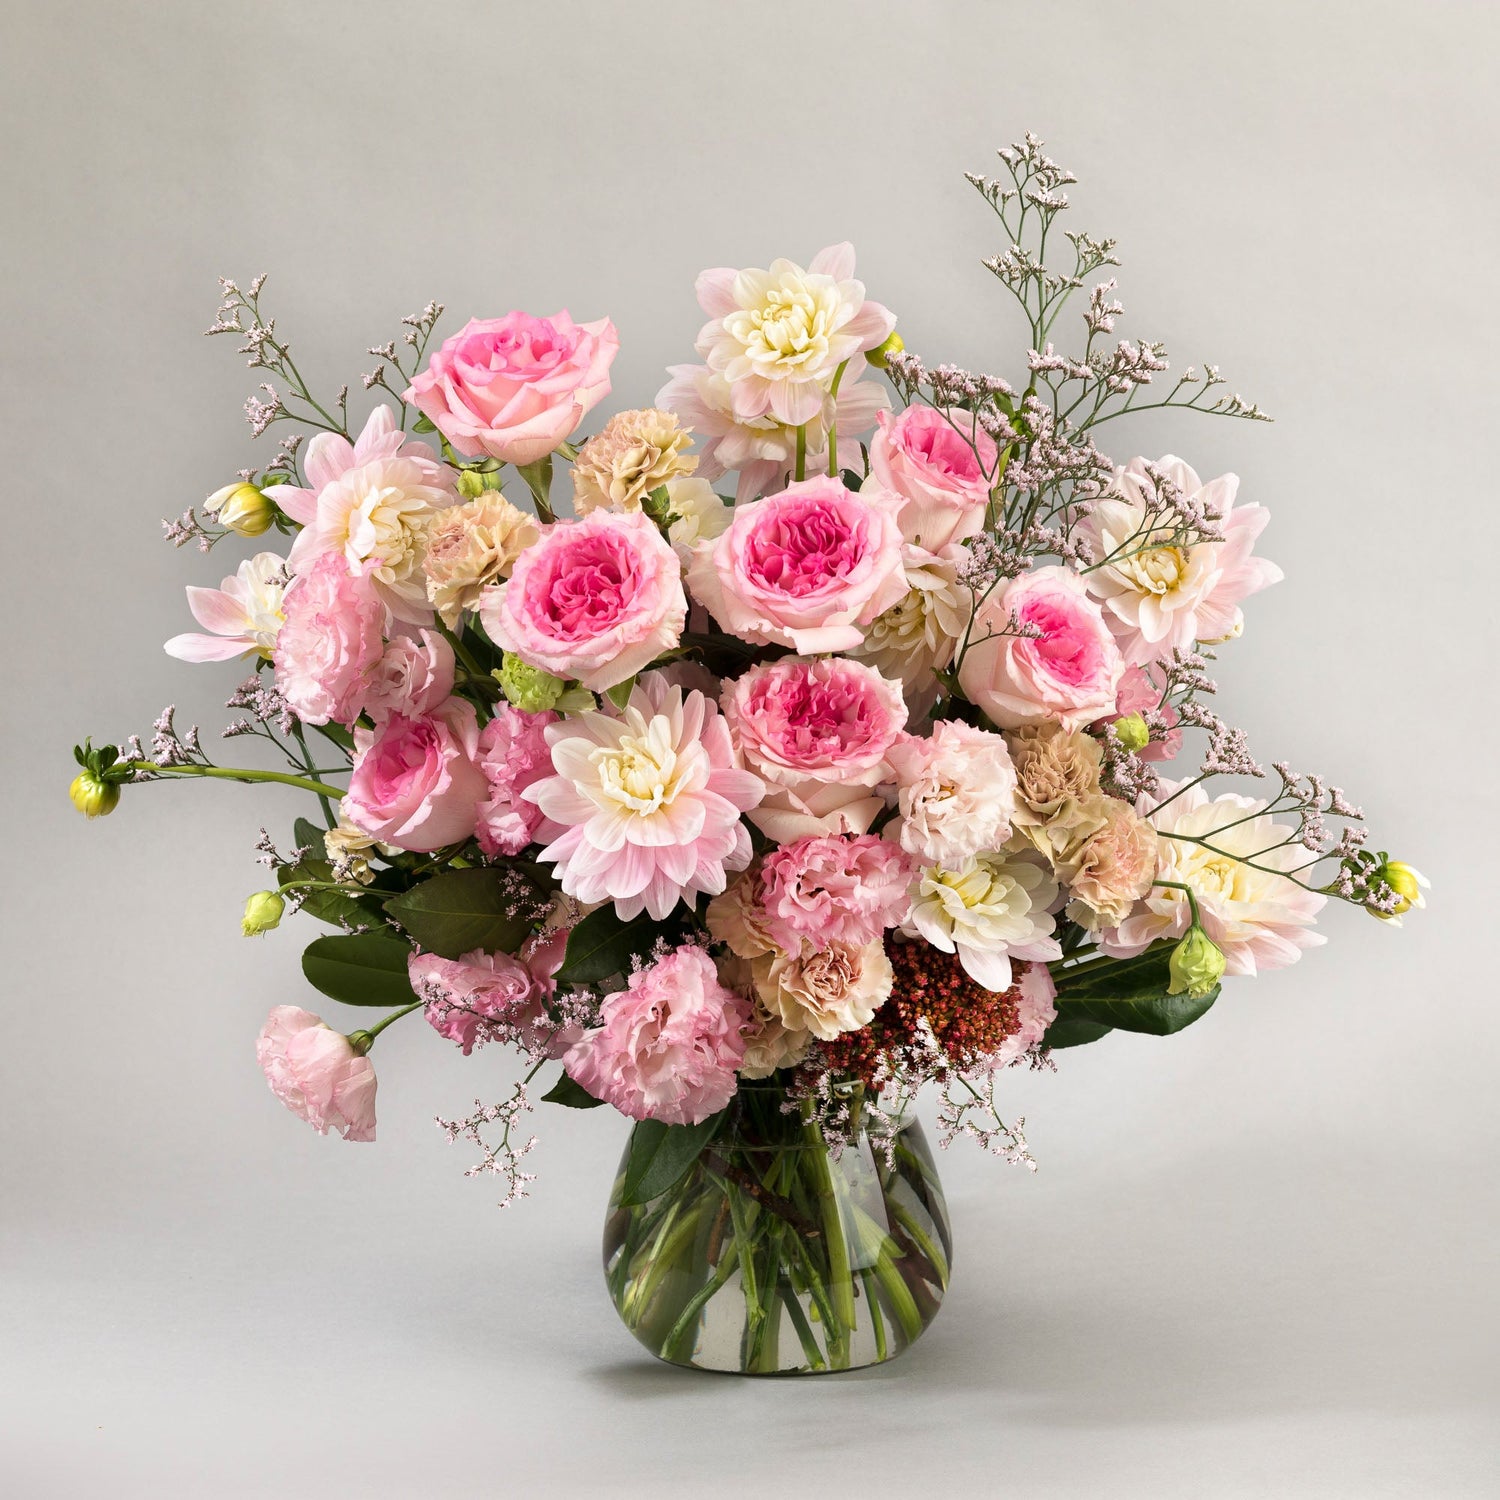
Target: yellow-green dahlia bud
<point x="1196" y="965"/>
<point x="1408" y="884"/>
<point x="529" y="688"/>
<point x="1132" y="732"/>
<point x="93" y="796"/>
<point x="242" y="508"/>
<point x="262" y="912"/>
<point x="880" y="355"/>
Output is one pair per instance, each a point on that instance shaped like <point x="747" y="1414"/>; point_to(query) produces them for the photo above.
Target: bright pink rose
<point x="474" y="999"/>
<point x="329" y="644"/>
<point x="942" y="464"/>
<point x="1068" y="670"/>
<point x="1139" y="695"/>
<point x="515" y="387"/>
<point x="805" y="568"/>
<point x="317" y="1074"/>
<point x="597" y="599"/>
<point x="416" y="783"/>
<point x="831" y="889"/>
<point x="513" y="753"/>
<point x="667" y="1047"/>
<point x="413" y="677"/>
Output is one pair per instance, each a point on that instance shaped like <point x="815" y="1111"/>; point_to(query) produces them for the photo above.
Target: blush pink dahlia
<point x="243" y="613"/>
<point x="330" y="643"/>
<point x="597" y="600"/>
<point x="315" y="1071"/>
<point x="668" y="1045"/>
<point x="942" y="464"/>
<point x="645" y="806"/>
<point x="513" y="754"/>
<point x="834" y="889"/>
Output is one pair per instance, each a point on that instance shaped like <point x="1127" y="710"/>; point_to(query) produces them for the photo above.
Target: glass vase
<point x="774" y="1254"/>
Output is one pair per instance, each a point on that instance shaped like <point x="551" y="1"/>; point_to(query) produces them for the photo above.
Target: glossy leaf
<point x="1070" y="1030"/>
<point x="661" y="1154"/>
<point x="602" y="945"/>
<point x="366" y="968"/>
<point x="574" y="1095"/>
<point x="1129" y="994"/>
<point x="461" y="910"/>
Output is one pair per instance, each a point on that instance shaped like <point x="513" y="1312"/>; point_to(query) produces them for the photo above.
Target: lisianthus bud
<point x="262" y="912"/>
<point x="1407" y="883"/>
<point x="242" y="508"/>
<point x="881" y="353"/>
<point x="1196" y="965"/>
<point x="1132" y="732"/>
<point x="93" y="796"/>
<point x="469" y="484"/>
<point x="529" y="688"/>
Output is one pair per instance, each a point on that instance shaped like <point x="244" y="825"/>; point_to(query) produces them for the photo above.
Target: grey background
<point x="1259" y="1257"/>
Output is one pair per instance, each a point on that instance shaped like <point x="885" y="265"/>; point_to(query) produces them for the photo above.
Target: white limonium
<point x="243" y="613"/>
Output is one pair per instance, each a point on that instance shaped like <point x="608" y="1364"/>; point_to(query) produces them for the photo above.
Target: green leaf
<point x="334" y="907"/>
<point x="423" y="424"/>
<point x="1073" y="1031"/>
<point x="661" y="1154"/>
<point x="620" y="693"/>
<point x="1157" y="1015"/>
<point x="1129" y="994"/>
<point x="601" y="945"/>
<point x="461" y="910"/>
<point x="337" y="733"/>
<point x="367" y="968"/>
<point x="574" y="1095"/>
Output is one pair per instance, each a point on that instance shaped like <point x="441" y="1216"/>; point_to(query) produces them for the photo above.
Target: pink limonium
<point x="597" y="600"/>
<point x="515" y="387"/>
<point x="645" y="805"/>
<point x="317" y="1073"/>
<point x="513" y="754"/>
<point x="330" y="644"/>
<point x="243" y="614"/>
<point x="833" y="888"/>
<point x="805" y="568"/>
<point x="942" y="463"/>
<point x="667" y="1047"/>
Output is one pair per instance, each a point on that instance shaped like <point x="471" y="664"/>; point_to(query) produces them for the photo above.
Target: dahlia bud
<point x="94" y="796"/>
<point x="881" y="353"/>
<point x="242" y="508"/>
<point x="529" y="688"/>
<point x="262" y="912"/>
<point x="1407" y="883"/>
<point x="1132" y="732"/>
<point x="1196" y="965"/>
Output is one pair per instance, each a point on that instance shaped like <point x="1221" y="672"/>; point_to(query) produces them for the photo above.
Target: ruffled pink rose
<point x="416" y="783"/>
<point x="413" y="676"/>
<point x="942" y="464"/>
<point x="317" y="1074"/>
<point x="513" y="753"/>
<point x="1067" y="670"/>
<point x="515" y="387"/>
<point x="329" y="644"/>
<point x="667" y="1047"/>
<point x="598" y="599"/>
<point x="805" y="568"/>
<point x="835" y="890"/>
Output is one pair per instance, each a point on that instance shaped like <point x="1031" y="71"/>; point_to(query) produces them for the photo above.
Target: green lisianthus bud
<point x="262" y="912"/>
<point x="529" y="688"/>
<point x="880" y="355"/>
<point x="1196" y="965"/>
<point x="94" y="796"/>
<point x="470" y="484"/>
<point x="242" y="508"/>
<point x="1132" y="732"/>
<point x="1408" y="884"/>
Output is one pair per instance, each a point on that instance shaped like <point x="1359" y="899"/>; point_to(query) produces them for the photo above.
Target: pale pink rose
<point x="835" y="889"/>
<point x="413" y="676"/>
<point x="942" y="463"/>
<point x="1138" y="694"/>
<point x="416" y="783"/>
<point x="515" y="387"/>
<point x="956" y="792"/>
<point x="805" y="568"/>
<point x="667" y="1046"/>
<point x="243" y="613"/>
<point x="597" y="600"/>
<point x="330" y="643"/>
<point x="1069" y="671"/>
<point x="513" y="754"/>
<point x="317" y="1074"/>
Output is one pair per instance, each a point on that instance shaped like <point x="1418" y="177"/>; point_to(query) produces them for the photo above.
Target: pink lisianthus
<point x="1139" y="695"/>
<point x="834" y="889"/>
<point x="317" y="1074"/>
<point x="513" y="754"/>
<point x="243" y="613"/>
<point x="598" y="600"/>
<point x="472" y="999"/>
<point x="668" y="1045"/>
<point x="956" y="792"/>
<point x="416" y="782"/>
<point x="805" y="568"/>
<point x="413" y="676"/>
<point x="942" y="464"/>
<point x="515" y="387"/>
<point x="1068" y="670"/>
<point x="330" y="643"/>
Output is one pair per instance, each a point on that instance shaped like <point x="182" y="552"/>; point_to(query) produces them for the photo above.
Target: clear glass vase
<point x="771" y="1256"/>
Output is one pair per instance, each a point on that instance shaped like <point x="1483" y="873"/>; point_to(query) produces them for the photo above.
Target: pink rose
<point x="329" y="643"/>
<point x="416" y="782"/>
<point x="829" y="889"/>
<point x="1067" y="671"/>
<point x="515" y="387"/>
<point x="666" y="1047"/>
<point x="942" y="465"/>
<point x="413" y="677"/>
<point x="317" y="1074"/>
<point x="805" y="568"/>
<point x="513" y="753"/>
<point x="597" y="599"/>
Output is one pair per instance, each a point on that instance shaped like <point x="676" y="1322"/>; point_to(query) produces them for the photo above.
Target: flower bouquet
<point x="835" y="742"/>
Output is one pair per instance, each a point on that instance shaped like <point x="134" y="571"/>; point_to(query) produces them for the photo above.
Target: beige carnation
<point x="770" y="1045"/>
<point x="826" y="990"/>
<point x="470" y="546"/>
<point x="1112" y="868"/>
<point x="1057" y="787"/>
<point x="635" y="453"/>
<point x="736" y="918"/>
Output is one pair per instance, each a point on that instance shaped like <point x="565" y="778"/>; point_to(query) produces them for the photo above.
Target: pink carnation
<point x="942" y="464"/>
<point x="317" y="1074"/>
<point x="513" y="754"/>
<point x="515" y="387"/>
<point x="413" y="676"/>
<point x="1036" y="1010"/>
<point x="598" y="600"/>
<point x="667" y="1046"/>
<point x="329" y="644"/>
<point x="833" y="889"/>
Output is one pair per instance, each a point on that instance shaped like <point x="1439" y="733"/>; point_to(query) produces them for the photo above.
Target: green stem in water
<point x="237" y="773"/>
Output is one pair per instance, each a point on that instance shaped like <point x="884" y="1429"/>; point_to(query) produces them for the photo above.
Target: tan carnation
<point x="770" y="1045"/>
<point x="826" y="990"/>
<point x="736" y="918"/>
<point x="1111" y="869"/>
<point x="635" y="453"/>
<point x="470" y="546"/>
<point x="1057" y="787"/>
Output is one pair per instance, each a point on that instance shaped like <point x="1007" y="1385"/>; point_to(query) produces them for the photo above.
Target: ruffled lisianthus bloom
<point x="597" y="600"/>
<point x="515" y="387"/>
<point x="805" y="568"/>
<point x="1138" y="694"/>
<point x="826" y="988"/>
<point x="988" y="911"/>
<point x="667" y="1046"/>
<point x="637" y="452"/>
<point x="833" y="888"/>
<point x="1111" y="869"/>
<point x="474" y="998"/>
<point x="317" y="1074"/>
<point x="644" y="806"/>
<point x="1160" y="593"/>
<point x="416" y="783"/>
<point x="243" y="613"/>
<point x="1258" y="916"/>
<point x="513" y="754"/>
<point x="942" y="463"/>
<point x="1065" y="667"/>
<point x="817" y="733"/>
<point x="412" y="677"/>
<point x="330" y="643"/>
<point x="370" y="503"/>
<point x="470" y="546"/>
<point x="1057" y="786"/>
<point x="761" y="451"/>
<point x="779" y="336"/>
<point x="956" y="792"/>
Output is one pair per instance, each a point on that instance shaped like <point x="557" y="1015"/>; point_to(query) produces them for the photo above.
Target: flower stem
<point x="833" y="422"/>
<point x="362" y="1041"/>
<point x="802" y="452"/>
<point x="238" y="773"/>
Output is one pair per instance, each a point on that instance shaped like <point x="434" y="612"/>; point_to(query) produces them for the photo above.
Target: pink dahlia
<point x="830" y="889"/>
